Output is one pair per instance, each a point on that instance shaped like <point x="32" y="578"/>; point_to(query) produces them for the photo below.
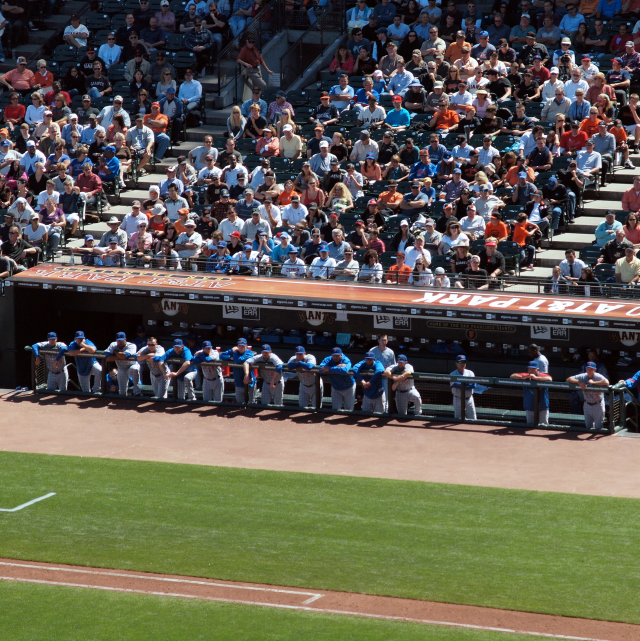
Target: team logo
<point x="316" y="317"/>
<point x="170" y="307"/>
<point x="626" y="337"/>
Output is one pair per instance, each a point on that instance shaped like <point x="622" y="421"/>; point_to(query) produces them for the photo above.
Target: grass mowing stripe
<point x="532" y="551"/>
<point x="41" y="613"/>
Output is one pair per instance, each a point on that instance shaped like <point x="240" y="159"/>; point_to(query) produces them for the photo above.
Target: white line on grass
<point x="20" y="507"/>
<point x="448" y="624"/>
<point x="314" y="595"/>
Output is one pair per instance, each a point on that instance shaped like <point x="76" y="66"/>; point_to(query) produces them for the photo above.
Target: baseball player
<point x="456" y="390"/>
<point x="533" y="373"/>
<point x="158" y="370"/>
<point x="388" y="359"/>
<point x="57" y="376"/>
<point x="401" y="375"/>
<point x="239" y="354"/>
<point x="343" y="385"/>
<point x="212" y="381"/>
<point x="593" y="398"/>
<point x="123" y="354"/>
<point x="302" y="363"/>
<point x="86" y="365"/>
<point x="372" y="368"/>
<point x="185" y="374"/>
<point x="273" y="383"/>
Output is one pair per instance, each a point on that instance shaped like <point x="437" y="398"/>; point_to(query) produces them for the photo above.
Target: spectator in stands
<point x="558" y="105"/>
<point x="137" y="63"/>
<point x="109" y="52"/>
<point x="256" y="98"/>
<point x="631" y="197"/>
<point x="589" y="161"/>
<point x="190" y="92"/>
<point x="632" y="230"/>
<point x="141" y="140"/>
<point x="630" y="117"/>
<point x="540" y="158"/>
<point x="573" y="141"/>
<point x="400" y="272"/>
<point x="445" y="120"/>
<point x="166" y="18"/>
<point x="580" y="108"/>
<point x="628" y="268"/>
<point x="76" y="34"/>
<point x="604" y="143"/>
<point x="472" y="223"/>
<point x="614" y="249"/>
<point x="598" y="88"/>
<point x="152" y="37"/>
<point x="268" y="144"/>
<point x="201" y="42"/>
<point x="523" y="190"/>
<point x="172" y="109"/>
<point x="19" y="79"/>
<point x="607" y="229"/>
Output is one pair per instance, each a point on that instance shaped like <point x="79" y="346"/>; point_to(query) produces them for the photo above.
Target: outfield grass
<point x="43" y="613"/>
<point x="541" y="552"/>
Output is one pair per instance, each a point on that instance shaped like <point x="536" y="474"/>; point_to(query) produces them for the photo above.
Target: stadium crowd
<point x="444" y="141"/>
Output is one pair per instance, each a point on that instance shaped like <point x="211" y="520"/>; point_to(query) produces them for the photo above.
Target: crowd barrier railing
<point x="497" y="401"/>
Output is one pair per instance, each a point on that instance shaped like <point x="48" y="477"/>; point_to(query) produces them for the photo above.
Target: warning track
<point x="320" y="601"/>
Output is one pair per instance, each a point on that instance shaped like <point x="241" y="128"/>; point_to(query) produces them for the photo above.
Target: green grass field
<point x="542" y="552"/>
<point x="78" y="615"/>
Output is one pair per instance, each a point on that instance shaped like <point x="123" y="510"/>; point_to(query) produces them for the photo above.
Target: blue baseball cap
<point x="170" y="89"/>
<point x="522" y="174"/>
<point x="52" y="335"/>
<point x="178" y="342"/>
<point x="88" y="237"/>
<point x="461" y="358"/>
<point x="266" y="348"/>
<point x="371" y="155"/>
<point x="401" y="358"/>
<point x="369" y="355"/>
<point x="79" y="335"/>
<point x="592" y="365"/>
<point x="457" y="170"/>
<point x="533" y="364"/>
<point x="336" y="350"/>
<point x="300" y="350"/>
<point x="222" y="243"/>
<point x="284" y="235"/>
<point x="242" y="341"/>
<point x="110" y="148"/>
<point x="121" y="336"/>
<point x="292" y="250"/>
<point x="206" y="344"/>
<point x="552" y="180"/>
<point x="323" y="248"/>
<point x="484" y="34"/>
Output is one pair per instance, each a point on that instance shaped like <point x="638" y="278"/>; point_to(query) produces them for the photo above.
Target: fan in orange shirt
<point x="590" y="125"/>
<point x="620" y="134"/>
<point x="495" y="228"/>
<point x="400" y="272"/>
<point x="523" y="233"/>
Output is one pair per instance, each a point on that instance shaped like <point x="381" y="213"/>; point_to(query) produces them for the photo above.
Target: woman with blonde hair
<point x="605" y="109"/>
<point x="35" y="111"/>
<point x="236" y="123"/>
<point x="481" y="102"/>
<point x="479" y="180"/>
<point x="285" y="119"/>
<point x="340" y="196"/>
<point x="123" y="154"/>
<point x="165" y="81"/>
<point x="453" y="80"/>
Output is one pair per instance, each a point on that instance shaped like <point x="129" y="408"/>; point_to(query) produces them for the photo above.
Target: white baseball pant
<point x="385" y="385"/>
<point x="594" y="415"/>
<point x="240" y="394"/>
<point x="343" y="399"/>
<point x="185" y="387"/>
<point x="374" y="404"/>
<point x="126" y="369"/>
<point x="404" y="398"/>
<point x="544" y="417"/>
<point x="159" y="384"/>
<point x="274" y="395"/>
<point x="85" y="380"/>
<point x="212" y="389"/>
<point x="307" y="394"/>
<point x="469" y="407"/>
<point x="58" y="380"/>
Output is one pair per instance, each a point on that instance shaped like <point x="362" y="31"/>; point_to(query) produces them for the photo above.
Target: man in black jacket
<point x="556" y="283"/>
<point x="614" y="249"/>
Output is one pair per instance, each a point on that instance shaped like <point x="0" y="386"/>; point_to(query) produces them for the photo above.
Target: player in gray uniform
<point x="456" y="390"/>
<point x="593" y="399"/>
<point x="123" y="354"/>
<point x="403" y="385"/>
<point x="273" y="383"/>
<point x="57" y="376"/>
<point x="302" y="363"/>
<point x="388" y="359"/>
<point x="158" y="370"/>
<point x="212" y="381"/>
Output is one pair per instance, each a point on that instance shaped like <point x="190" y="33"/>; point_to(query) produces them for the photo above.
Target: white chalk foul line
<point x="20" y="507"/>
<point x="314" y="595"/>
<point x="448" y="624"/>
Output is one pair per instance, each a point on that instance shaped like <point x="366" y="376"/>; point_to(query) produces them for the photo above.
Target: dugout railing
<point x="498" y="401"/>
<point x="512" y="284"/>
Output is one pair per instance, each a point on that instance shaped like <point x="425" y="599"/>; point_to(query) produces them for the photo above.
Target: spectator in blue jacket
<point x="343" y="385"/>
<point x="369" y="373"/>
<point x="174" y="110"/>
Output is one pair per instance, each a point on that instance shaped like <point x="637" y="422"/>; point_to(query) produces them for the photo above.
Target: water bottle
<point x="72" y="261"/>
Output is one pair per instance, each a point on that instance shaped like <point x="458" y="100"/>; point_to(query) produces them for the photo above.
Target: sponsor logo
<point x="315" y="317"/>
<point x="550" y="332"/>
<point x="170" y="307"/>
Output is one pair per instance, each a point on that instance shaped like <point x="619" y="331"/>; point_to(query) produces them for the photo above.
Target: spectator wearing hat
<point x="631" y="58"/>
<point x="277" y="107"/>
<point x="190" y="92"/>
<point x="523" y="190"/>
<point x="256" y="99"/>
<point x="173" y="109"/>
<point x="399" y="273"/>
<point x="462" y="100"/>
<point x="322" y="266"/>
<point x="326" y="113"/>
<point x="454" y="50"/>
<point x="619" y="79"/>
<point x="589" y="161"/>
<point x="398" y="119"/>
<point x="86" y="64"/>
<point x="76" y="34"/>
<point x="518" y="34"/>
<point x="453" y="187"/>
<point x="466" y="64"/>
<point x="483" y="50"/>
<point x="293" y="266"/>
<point x="571" y="20"/>
<point x="158" y="123"/>
<point x="565" y="50"/>
<point x="403" y="238"/>
<point x="268" y="144"/>
<point x="445" y="120"/>
<point x="550" y="86"/>
<point x="604" y="143"/>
